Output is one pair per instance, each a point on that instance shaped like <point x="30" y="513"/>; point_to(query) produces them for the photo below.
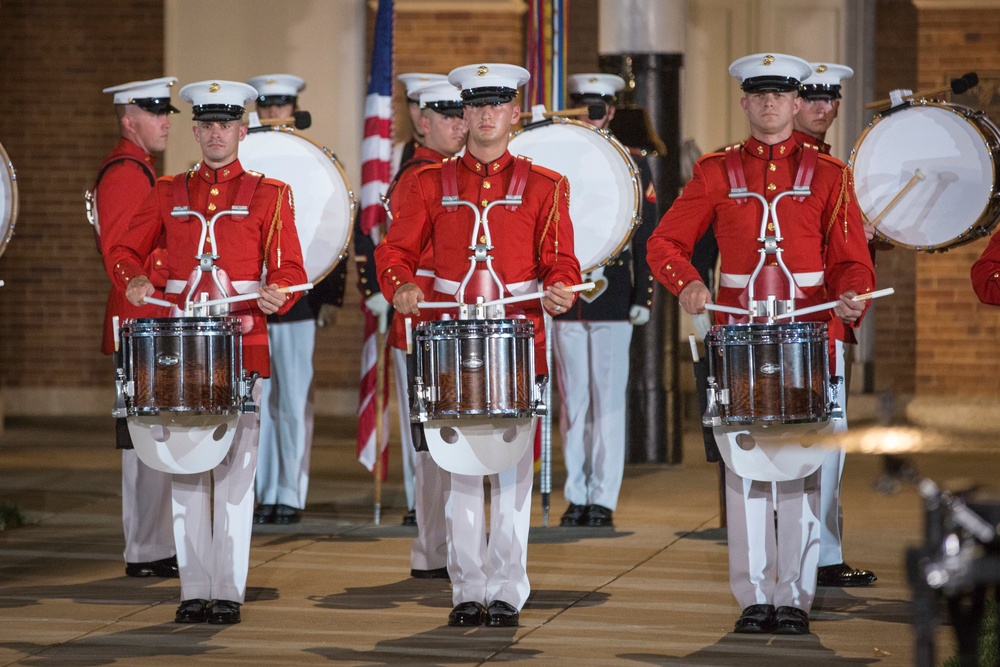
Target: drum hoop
<point x="633" y="173"/>
<point x="967" y="114"/>
<point x="9" y="166"/>
<point x="352" y="201"/>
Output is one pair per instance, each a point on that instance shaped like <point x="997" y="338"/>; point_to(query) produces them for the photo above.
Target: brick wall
<point x="956" y="335"/>
<point x="56" y="126"/>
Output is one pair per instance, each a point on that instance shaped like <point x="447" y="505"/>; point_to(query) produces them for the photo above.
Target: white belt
<point x="741" y="280"/>
<point x="241" y="286"/>
<point x="426" y="273"/>
<point x="516" y="289"/>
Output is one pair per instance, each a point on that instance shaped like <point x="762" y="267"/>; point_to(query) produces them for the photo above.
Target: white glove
<point x="327" y="315"/>
<point x="379" y="307"/>
<point x="702" y="323"/>
<point x="638" y="315"/>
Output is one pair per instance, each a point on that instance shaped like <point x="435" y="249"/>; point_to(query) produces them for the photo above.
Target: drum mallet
<point x="917" y="177"/>
<point x="300" y="120"/>
<point x="957" y="87"/>
<point x="867" y="296"/>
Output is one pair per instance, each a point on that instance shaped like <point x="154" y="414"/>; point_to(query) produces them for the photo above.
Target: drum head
<point x="324" y="203"/>
<point x="8" y="200"/>
<point x="604" y="200"/>
<point x="948" y="145"/>
<point x="182" y="445"/>
<point x="479" y="446"/>
<point x="775" y="454"/>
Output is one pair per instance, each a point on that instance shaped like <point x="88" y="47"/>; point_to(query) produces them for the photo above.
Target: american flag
<point x="376" y="153"/>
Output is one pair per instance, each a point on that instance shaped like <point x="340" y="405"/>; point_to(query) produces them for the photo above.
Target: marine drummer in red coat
<point x="213" y="553"/>
<point x="123" y="182"/>
<point x="533" y="242"/>
<point x="772" y="571"/>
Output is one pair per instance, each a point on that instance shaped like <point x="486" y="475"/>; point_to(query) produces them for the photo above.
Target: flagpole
<point x="379" y="413"/>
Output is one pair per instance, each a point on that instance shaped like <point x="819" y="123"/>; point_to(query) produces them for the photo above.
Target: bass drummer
<point x="772" y="568"/>
<point x="820" y="93"/>
<point x="213" y="510"/>
<point x="533" y="241"/>
<point x="591" y="344"/>
<point x="286" y="413"/>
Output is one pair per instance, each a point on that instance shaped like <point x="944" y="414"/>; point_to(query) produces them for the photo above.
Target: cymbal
<point x="909" y="440"/>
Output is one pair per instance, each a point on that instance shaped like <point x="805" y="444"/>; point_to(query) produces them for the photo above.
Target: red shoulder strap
<point x="248" y="185"/>
<point x="807" y="168"/>
<point x="449" y="181"/>
<point x="150" y="174"/>
<point x="522" y="167"/>
<point x="734" y="170"/>
<point x="181" y="197"/>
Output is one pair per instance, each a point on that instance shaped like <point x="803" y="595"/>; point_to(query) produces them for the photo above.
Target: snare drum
<point x="770" y="373"/>
<point x="324" y="203"/>
<point x="8" y="199"/>
<point x="605" y="201"/>
<point x="474" y="368"/>
<point x="190" y="365"/>
<point x="956" y="149"/>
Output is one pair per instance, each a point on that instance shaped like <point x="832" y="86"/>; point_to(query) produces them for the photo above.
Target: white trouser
<point x="831" y="513"/>
<point x="286" y="416"/>
<point x="484" y="570"/>
<point x="769" y="565"/>
<point x="405" y="435"/>
<point x="429" y="550"/>
<point x="213" y="543"/>
<point x="149" y="533"/>
<point x="592" y="360"/>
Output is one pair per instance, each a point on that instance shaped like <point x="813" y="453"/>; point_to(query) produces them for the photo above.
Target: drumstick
<point x="694" y="349"/>
<point x="115" y="331"/>
<point x="917" y="176"/>
<point x="867" y="296"/>
<point x="582" y="287"/>
<point x="589" y="111"/>
<point x="958" y="86"/>
<point x="408" y="327"/>
<point x="157" y="302"/>
<point x="249" y="297"/>
<point x="727" y="309"/>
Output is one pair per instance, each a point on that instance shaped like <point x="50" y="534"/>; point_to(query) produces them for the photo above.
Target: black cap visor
<point x="770" y="84"/>
<point x="275" y="100"/>
<point x="479" y="97"/>
<point x="820" y="91"/>
<point x="447" y="108"/>
<point x="586" y="99"/>
<point x="217" y="112"/>
<point x="157" y="105"/>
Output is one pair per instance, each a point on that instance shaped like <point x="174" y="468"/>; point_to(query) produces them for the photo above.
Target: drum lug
<point x="539" y="408"/>
<point x="711" y="417"/>
<point x="120" y="409"/>
<point x="836" y="386"/>
<point x="246" y="393"/>
<point x="418" y="409"/>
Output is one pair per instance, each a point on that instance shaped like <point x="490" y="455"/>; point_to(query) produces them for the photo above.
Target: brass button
<point x="680" y="282"/>
<point x="770" y="226"/>
<point x="211" y="207"/>
<point x="772" y="167"/>
<point x="213" y="191"/>
<point x="486" y="184"/>
<point x="771" y="187"/>
<point x="482" y="239"/>
<point x="485" y="202"/>
<point x="669" y="267"/>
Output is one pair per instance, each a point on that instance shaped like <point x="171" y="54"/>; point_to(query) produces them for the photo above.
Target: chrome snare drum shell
<point x="474" y="368"/>
<point x="770" y="373"/>
<point x="191" y="365"/>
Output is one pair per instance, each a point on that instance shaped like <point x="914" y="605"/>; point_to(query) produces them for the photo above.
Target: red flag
<point x="376" y="153"/>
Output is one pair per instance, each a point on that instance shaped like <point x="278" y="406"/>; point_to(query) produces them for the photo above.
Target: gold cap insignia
<point x="821" y="69"/>
<point x="592" y="79"/>
<point x="483" y="69"/>
<point x="272" y="81"/>
<point x="768" y="60"/>
<point x="171" y="84"/>
<point x="214" y="88"/>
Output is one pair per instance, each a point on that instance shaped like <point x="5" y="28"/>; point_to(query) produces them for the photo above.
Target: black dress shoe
<point x="166" y="568"/>
<point x="264" y="514"/>
<point x="436" y="573"/>
<point x="791" y="621"/>
<point x="284" y="515"/>
<point x="756" y="619"/>
<point x="467" y="614"/>
<point x="599" y="516"/>
<point x="575" y="515"/>
<point x="844" y="576"/>
<point x="502" y="615"/>
<point x="193" y="611"/>
<point x="224" y="612"/>
<point x="410" y="518"/>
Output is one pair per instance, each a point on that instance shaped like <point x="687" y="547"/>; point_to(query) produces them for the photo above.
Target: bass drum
<point x="605" y="194"/>
<point x="8" y="200"/>
<point x="955" y="148"/>
<point x="324" y="202"/>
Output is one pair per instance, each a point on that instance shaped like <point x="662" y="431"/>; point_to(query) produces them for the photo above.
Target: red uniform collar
<point x="803" y="138"/>
<point x="483" y="169"/>
<point x="423" y="153"/>
<point x="126" y="147"/>
<point x="230" y="172"/>
<point x="763" y="151"/>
